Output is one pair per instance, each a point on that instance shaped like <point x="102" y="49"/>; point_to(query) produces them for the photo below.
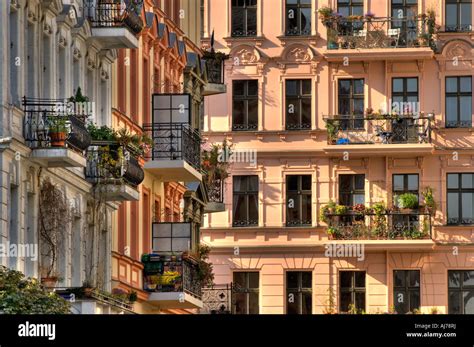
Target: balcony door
<point x="404" y="14"/>
<point x="405" y="103"/>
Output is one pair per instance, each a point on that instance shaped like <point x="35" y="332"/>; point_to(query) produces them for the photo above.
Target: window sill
<point x="285" y="39"/>
<point x="257" y="40"/>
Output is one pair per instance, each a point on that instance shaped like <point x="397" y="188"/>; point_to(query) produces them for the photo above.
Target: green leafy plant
<point x="78" y="97"/>
<point x="21" y="295"/>
<point x="332" y="127"/>
<point x="205" y="268"/>
<point x="428" y="196"/>
<point x="325" y="13"/>
<point x="408" y="201"/>
<point x="335" y="232"/>
<point x="341" y="210"/>
<point x="325" y="210"/>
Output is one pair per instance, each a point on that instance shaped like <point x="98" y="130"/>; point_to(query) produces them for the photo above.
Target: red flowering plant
<point x="359" y="209"/>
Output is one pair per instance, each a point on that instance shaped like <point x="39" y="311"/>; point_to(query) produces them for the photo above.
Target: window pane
<point x="359" y="199"/>
<point x="399" y="278"/>
<point x="238" y="87"/>
<point x="292" y="303"/>
<point x="306" y="209"/>
<point x="307" y="303"/>
<point x="344" y="87"/>
<point x="453" y="181"/>
<point x="306" y="87"/>
<point x="400" y="301"/>
<point x="412" y="182"/>
<point x="466" y="16"/>
<point x="451" y="109"/>
<point x="397" y="85"/>
<point x="468" y="278"/>
<point x="454" y="302"/>
<point x="468" y="302"/>
<point x="360" y="279"/>
<point x="254" y="280"/>
<point x="359" y="86"/>
<point x="412" y="85"/>
<point x="466" y="84"/>
<point x="306" y="182"/>
<point x="360" y="301"/>
<point x="240" y="304"/>
<point x="466" y="110"/>
<point x="253" y="208"/>
<point x="253" y="303"/>
<point x="253" y="183"/>
<point x="292" y="280"/>
<point x="252" y="88"/>
<point x="345" y="182"/>
<point x="239" y="184"/>
<point x="453" y="206"/>
<point x="252" y="112"/>
<point x="291" y="87"/>
<point x="252" y="22"/>
<point x="359" y="181"/>
<point x="240" y="208"/>
<point x="451" y="85"/>
<point x="467" y="207"/>
<point x="346" y="279"/>
<point x="240" y="279"/>
<point x="414" y="300"/>
<point x="454" y="279"/>
<point x="306" y="21"/>
<point x="398" y="183"/>
<point x="451" y="15"/>
<point x="467" y="181"/>
<point x="414" y="278"/>
<point x="306" y="280"/>
<point x="346" y="299"/>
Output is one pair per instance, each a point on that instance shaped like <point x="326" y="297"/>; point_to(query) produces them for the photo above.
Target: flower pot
<point x="58" y="139"/>
<point x="49" y="282"/>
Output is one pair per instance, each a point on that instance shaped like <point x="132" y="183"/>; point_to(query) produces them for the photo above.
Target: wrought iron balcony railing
<point x="111" y="163"/>
<point x="369" y="129"/>
<point x="215" y="67"/>
<point x="389" y="32"/>
<point x="114" y="13"/>
<point x="52" y="123"/>
<point x="165" y="274"/>
<point x="390" y="225"/>
<point x="217" y="299"/>
<point x="175" y="141"/>
<point x="216" y="191"/>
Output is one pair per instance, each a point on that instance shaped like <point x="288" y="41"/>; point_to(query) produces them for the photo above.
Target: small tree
<point x="21" y="295"/>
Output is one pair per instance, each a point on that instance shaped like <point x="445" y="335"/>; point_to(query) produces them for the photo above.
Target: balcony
<point x="380" y="37"/>
<point x="55" y="131"/>
<point x="217" y="299"/>
<point x="215" y="62"/>
<point x="176" y="152"/>
<point x="115" y="23"/>
<point x="384" y="225"/>
<point x="371" y="133"/>
<point x="172" y="281"/>
<point x="114" y="170"/>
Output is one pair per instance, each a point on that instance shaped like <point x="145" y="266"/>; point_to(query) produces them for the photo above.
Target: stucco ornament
<point x="246" y="56"/>
<point x="299" y="55"/>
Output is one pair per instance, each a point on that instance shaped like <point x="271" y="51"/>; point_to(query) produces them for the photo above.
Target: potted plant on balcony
<point x="430" y="203"/>
<point x="152" y="282"/>
<point x="326" y="210"/>
<point x="408" y="202"/>
<point x="57" y="131"/>
<point x="325" y="14"/>
<point x="334" y="233"/>
<point x="380" y="221"/>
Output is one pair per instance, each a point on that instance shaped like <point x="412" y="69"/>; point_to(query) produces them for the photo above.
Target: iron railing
<point x="72" y="294"/>
<point x="114" y="13"/>
<point x="353" y="129"/>
<point x="217" y="299"/>
<point x="111" y="163"/>
<point x="216" y="190"/>
<point x="175" y="141"/>
<point x="166" y="275"/>
<point x="387" y="226"/>
<point x="380" y="32"/>
<point x="45" y="118"/>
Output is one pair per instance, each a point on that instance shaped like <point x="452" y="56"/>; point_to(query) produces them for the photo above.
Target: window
<point x="461" y="292"/>
<point x="406" y="183"/>
<point x="405" y="101"/>
<point x="245" y="105"/>
<point x="404" y="14"/>
<point x="351" y="103"/>
<point x="246" y="290"/>
<point x="298" y="104"/>
<point x="350" y="8"/>
<point x="298" y="17"/>
<point x="352" y="291"/>
<point x="299" y="292"/>
<point x="298" y="193"/>
<point x="245" y="201"/>
<point x="351" y="190"/>
<point x="244" y="18"/>
<point x="460" y="196"/>
<point x="406" y="290"/>
<point x="458" y="15"/>
<point x="459" y="102"/>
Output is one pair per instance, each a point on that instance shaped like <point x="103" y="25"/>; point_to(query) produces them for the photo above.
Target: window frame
<point x="461" y="289"/>
<point x="353" y="190"/>
<point x="353" y="290"/>
<point x="407" y="289"/>
<point x="298" y="11"/>
<point x="245" y="98"/>
<point x="246" y="8"/>
<point x="299" y="291"/>
<point x="405" y="186"/>
<point x="300" y="97"/>
<point x="458" y="27"/>
<point x="460" y="190"/>
<point x="458" y="95"/>
<point x="246" y="291"/>
<point x="242" y="223"/>
<point x="353" y="123"/>
<point x="299" y="205"/>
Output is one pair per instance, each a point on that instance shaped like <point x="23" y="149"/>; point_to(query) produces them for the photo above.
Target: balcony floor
<point x="173" y="170"/>
<point x="58" y="157"/>
<point x="380" y="149"/>
<point x="115" y="37"/>
<point x="371" y="54"/>
<point x="117" y="192"/>
<point x="175" y="300"/>
<point x="214" y="89"/>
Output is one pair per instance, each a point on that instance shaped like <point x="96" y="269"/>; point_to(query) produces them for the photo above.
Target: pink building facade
<point x="339" y="118"/>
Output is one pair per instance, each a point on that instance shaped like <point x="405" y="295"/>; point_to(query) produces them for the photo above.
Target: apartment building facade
<point x="353" y="107"/>
<point x="159" y="90"/>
